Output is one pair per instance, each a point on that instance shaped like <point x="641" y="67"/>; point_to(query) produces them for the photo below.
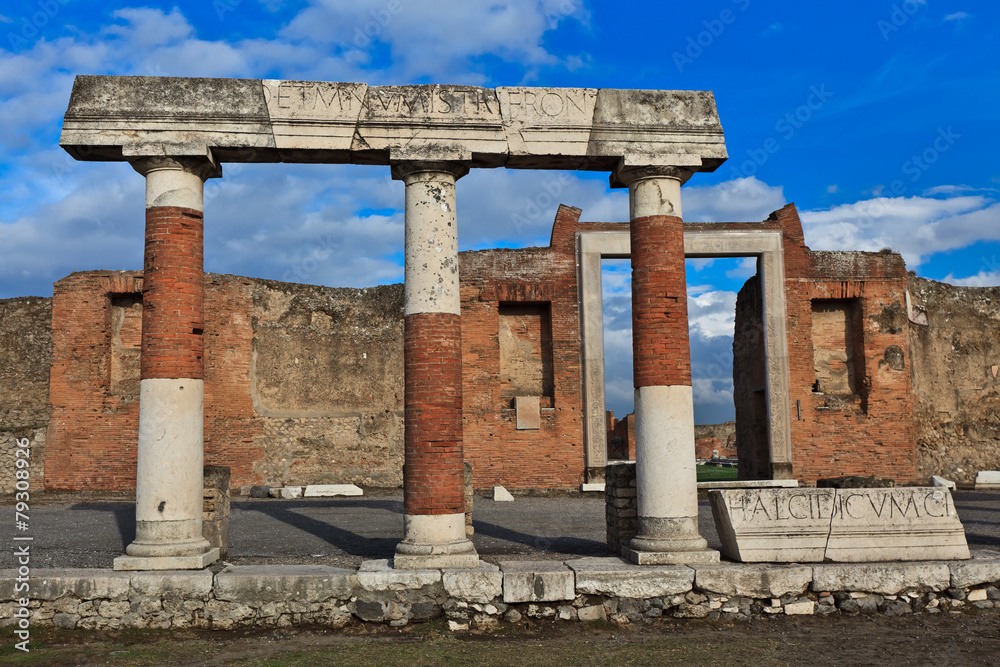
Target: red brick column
<point x="666" y="480"/>
<point x="434" y="465"/>
<point x="434" y="470"/>
<point x="169" y="477"/>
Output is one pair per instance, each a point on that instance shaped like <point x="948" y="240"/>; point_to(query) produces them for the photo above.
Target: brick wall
<point x="709" y="438"/>
<point x="299" y="386"/>
<point x="861" y="424"/>
<point x="500" y="288"/>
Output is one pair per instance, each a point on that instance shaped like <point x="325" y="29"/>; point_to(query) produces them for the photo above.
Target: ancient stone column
<point x="433" y="468"/>
<point x="666" y="481"/>
<point x="169" y="475"/>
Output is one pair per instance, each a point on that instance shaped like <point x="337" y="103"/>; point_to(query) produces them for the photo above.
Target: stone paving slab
<point x="378" y="575"/>
<point x="884" y="578"/>
<point x="479" y="585"/>
<point x="537" y="581"/>
<point x="620" y="578"/>
<point x="278" y="583"/>
<point x="757" y="581"/>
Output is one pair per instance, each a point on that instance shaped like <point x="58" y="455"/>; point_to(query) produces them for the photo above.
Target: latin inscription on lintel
<point x="839" y="525"/>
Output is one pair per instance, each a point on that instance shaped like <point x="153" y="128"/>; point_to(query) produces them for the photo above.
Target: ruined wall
<point x="25" y="355"/>
<point x="621" y="437"/>
<point x="749" y="381"/>
<point x="709" y="438"/>
<point x="521" y="337"/>
<point x="955" y="351"/>
<point x="327" y="371"/>
<point x="303" y="384"/>
<point x="848" y="363"/>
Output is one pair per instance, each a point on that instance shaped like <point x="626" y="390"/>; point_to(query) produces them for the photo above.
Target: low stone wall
<point x="620" y="509"/>
<point x="584" y="589"/>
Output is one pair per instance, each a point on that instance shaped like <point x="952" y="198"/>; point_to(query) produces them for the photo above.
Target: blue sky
<point x="878" y="119"/>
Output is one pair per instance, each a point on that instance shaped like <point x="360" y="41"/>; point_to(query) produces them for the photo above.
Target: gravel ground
<point x="73" y="530"/>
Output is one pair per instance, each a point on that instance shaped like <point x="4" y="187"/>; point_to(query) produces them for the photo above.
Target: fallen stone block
<point x="537" y="581"/>
<point x="331" y="490"/>
<point x="615" y="577"/>
<point x="941" y="481"/>
<point x="773" y="525"/>
<point x="884" y="578"/>
<point x="838" y="525"/>
<point x="501" y="495"/>
<point x="286" y="492"/>
<point x="754" y="581"/>
<point x="988" y="479"/>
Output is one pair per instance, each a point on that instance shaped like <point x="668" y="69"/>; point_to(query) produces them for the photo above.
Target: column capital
<point x="202" y="167"/>
<point x="625" y="175"/>
<point x="402" y="170"/>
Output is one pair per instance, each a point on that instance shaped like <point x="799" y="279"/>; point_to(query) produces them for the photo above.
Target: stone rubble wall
<point x="25" y="355"/>
<point x="621" y="509"/>
<point x="955" y="348"/>
<point x="586" y="589"/>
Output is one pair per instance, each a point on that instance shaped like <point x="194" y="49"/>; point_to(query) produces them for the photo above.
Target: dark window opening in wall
<point x="837" y="351"/>
<point x="126" y="339"/>
<point x="526" y="352"/>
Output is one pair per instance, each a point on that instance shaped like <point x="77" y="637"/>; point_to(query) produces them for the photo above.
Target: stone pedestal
<point x="169" y="482"/>
<point x="433" y="468"/>
<point x="666" y="481"/>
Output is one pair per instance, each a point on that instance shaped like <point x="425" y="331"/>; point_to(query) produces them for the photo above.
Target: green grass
<point x="716" y="474"/>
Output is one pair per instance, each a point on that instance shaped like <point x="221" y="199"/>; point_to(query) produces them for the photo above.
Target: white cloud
<point x="957" y="16"/>
<point x="437" y="37"/>
<point x="916" y="227"/>
<point x="985" y="278"/>
<point x="711" y="314"/>
<point x="742" y="199"/>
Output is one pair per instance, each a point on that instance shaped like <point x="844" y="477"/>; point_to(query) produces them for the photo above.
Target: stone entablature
<point x="251" y="120"/>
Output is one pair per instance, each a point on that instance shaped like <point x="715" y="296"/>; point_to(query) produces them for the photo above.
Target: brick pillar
<point x="433" y="468"/>
<point x="666" y="481"/>
<point x="169" y="474"/>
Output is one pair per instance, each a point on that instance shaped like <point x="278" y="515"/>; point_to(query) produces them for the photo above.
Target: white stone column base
<point x="703" y="556"/>
<point x="138" y="563"/>
<point x="666" y="480"/>
<point x="435" y="542"/>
